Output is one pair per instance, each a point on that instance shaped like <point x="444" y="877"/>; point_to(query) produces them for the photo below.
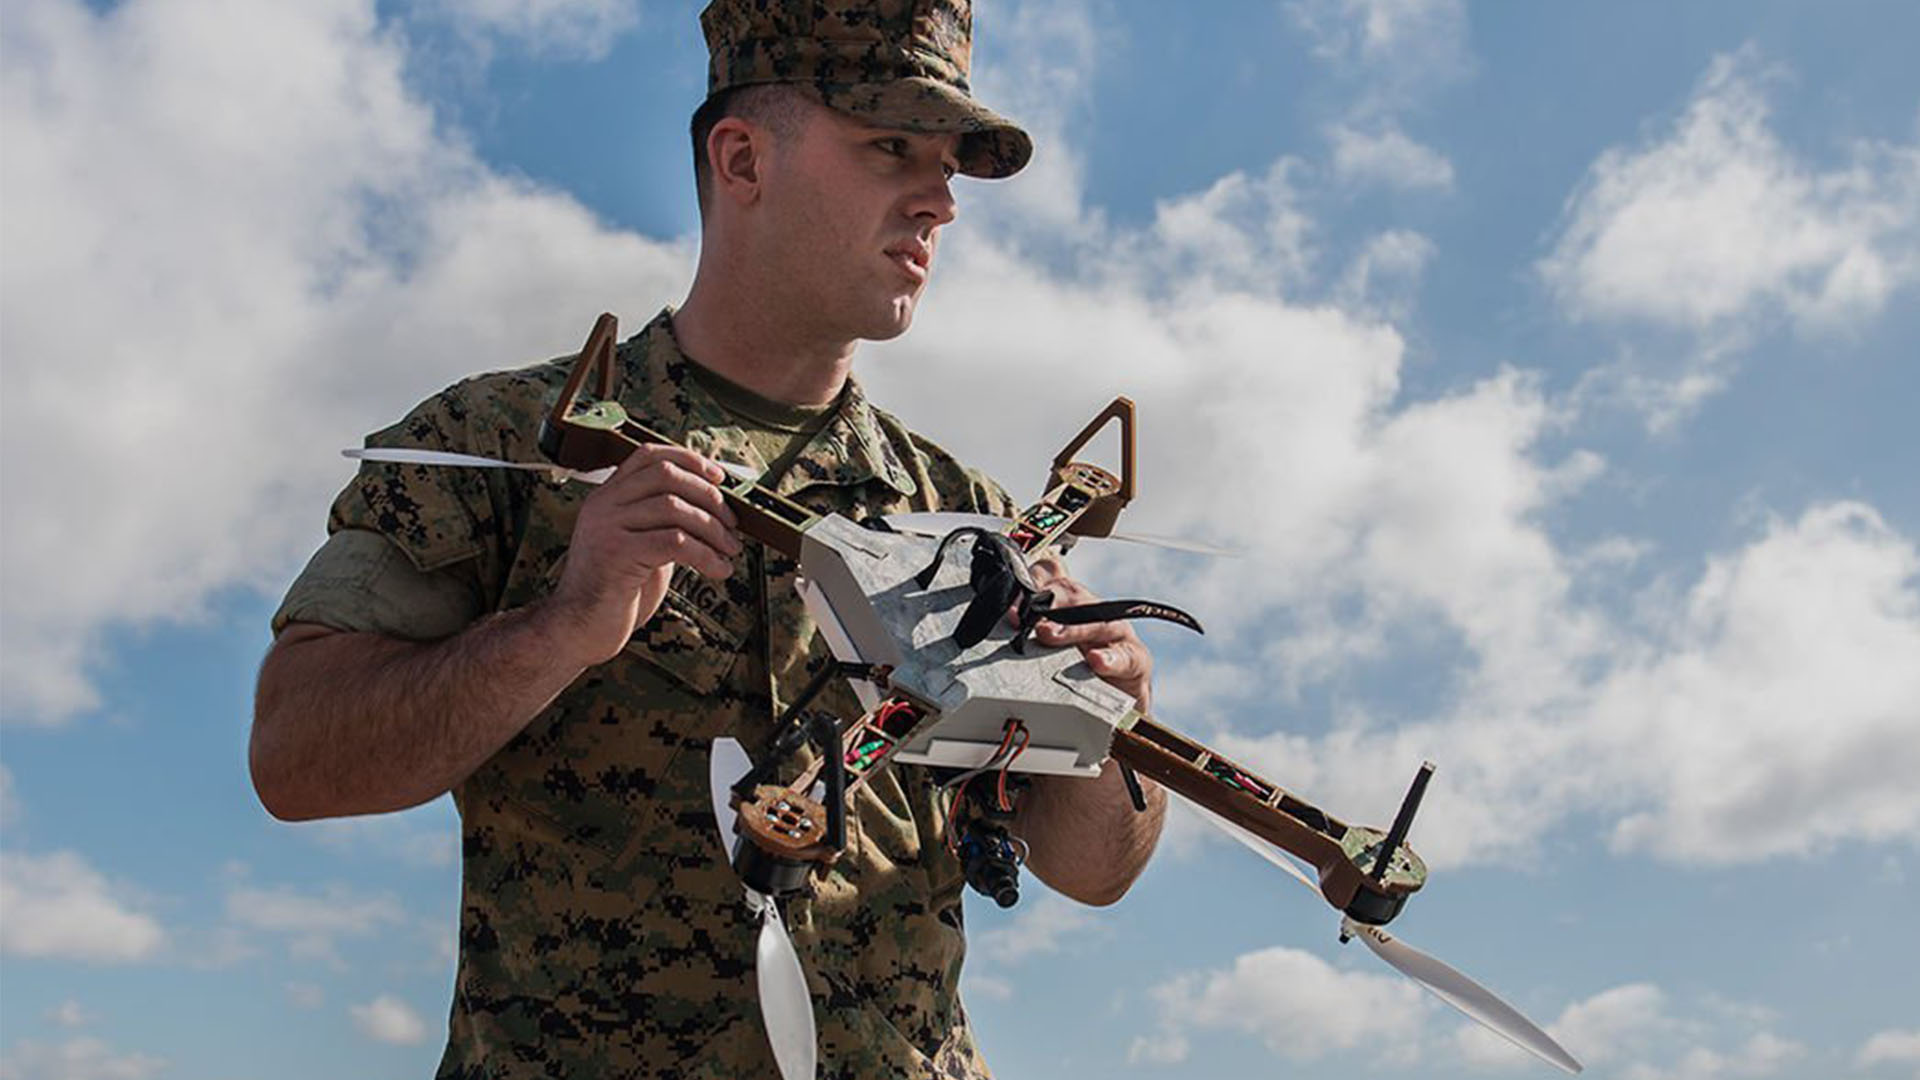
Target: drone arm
<point x="601" y="435"/>
<point x="1242" y="797"/>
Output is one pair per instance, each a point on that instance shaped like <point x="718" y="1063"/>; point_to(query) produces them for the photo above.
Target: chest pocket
<point x="699" y="634"/>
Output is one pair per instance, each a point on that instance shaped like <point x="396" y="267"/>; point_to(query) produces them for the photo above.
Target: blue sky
<point x="1552" y="363"/>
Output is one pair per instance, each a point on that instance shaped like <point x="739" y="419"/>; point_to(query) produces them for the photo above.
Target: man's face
<point x="853" y="214"/>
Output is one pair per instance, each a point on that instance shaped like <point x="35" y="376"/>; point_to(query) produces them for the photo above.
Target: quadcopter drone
<point x="937" y="649"/>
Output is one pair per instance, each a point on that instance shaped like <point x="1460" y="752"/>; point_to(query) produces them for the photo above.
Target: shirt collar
<point x="849" y="450"/>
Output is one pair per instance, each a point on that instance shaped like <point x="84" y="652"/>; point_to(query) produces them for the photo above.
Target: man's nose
<point x="933" y="199"/>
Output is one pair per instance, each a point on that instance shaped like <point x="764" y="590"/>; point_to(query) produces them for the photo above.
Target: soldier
<point x="560" y="658"/>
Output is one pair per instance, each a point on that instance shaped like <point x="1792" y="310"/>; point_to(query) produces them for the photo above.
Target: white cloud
<point x="1614" y="1022"/>
<point x="1764" y="1054"/>
<point x="291" y="255"/>
<point x="1718" y="229"/>
<point x="1754" y="714"/>
<point x="1389" y="158"/>
<point x="1041" y="926"/>
<point x="387" y="1019"/>
<point x="1034" y="60"/>
<point x="1404" y="45"/>
<point x="1384" y="277"/>
<point x="1719" y="220"/>
<point x="75" y="1059"/>
<point x="1892" y="1047"/>
<point x="1640" y="1032"/>
<point x="1613" y="1025"/>
<point x="992" y="988"/>
<point x="585" y="28"/>
<point x="1775" y="716"/>
<point x="1295" y="1003"/>
<point x="57" y="905"/>
<point x="1242" y="233"/>
<point x="69" y="1014"/>
<point x="312" y="923"/>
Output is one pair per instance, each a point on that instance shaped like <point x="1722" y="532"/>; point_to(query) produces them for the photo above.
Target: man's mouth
<point x="912" y="258"/>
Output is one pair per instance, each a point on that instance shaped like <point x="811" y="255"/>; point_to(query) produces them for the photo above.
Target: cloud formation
<point x="240" y="260"/>
<point x="76" y="1059"/>
<point x="576" y="28"/>
<point x="58" y="905"/>
<point x="1300" y="1007"/>
<point x="1719" y="221"/>
<point x="1042" y="926"/>
<point x="387" y="1019"/>
<point x="311" y="923"/>
<point x="1389" y="158"/>
<point x="1890" y="1047"/>
<point x="1718" y="229"/>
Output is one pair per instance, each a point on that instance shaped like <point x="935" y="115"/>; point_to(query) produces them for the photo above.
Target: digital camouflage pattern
<point x="601" y="932"/>
<point x="893" y="63"/>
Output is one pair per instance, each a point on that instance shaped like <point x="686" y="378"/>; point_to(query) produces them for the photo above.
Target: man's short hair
<point x="774" y="106"/>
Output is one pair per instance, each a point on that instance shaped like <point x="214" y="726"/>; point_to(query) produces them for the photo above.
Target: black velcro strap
<point x="1110" y="610"/>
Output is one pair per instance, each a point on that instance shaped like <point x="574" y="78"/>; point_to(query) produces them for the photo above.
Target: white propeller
<point x="726" y="763"/>
<point x="1259" y="847"/>
<point x="1462" y="993"/>
<point x="408" y="456"/>
<point x="786" y="1007"/>
<point x="940" y="523"/>
<point x="785" y="1004"/>
<point x="1444" y="982"/>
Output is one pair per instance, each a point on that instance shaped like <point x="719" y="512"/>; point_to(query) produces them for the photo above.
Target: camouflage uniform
<point x="601" y="933"/>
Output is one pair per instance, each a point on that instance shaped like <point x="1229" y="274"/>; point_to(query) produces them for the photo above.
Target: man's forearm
<point x="1084" y="837"/>
<point x="348" y="723"/>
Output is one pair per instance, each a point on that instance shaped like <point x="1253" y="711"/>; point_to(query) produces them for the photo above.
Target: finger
<point x="651" y="453"/>
<point x="670" y="511"/>
<point x="1092" y="635"/>
<point x="1125" y="665"/>
<point x="652" y="456"/>
<point x="1070" y="593"/>
<point x="1047" y="569"/>
<point x="666" y="477"/>
<point x="670" y="546"/>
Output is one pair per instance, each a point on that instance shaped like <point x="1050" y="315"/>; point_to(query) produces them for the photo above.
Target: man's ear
<point x="736" y="153"/>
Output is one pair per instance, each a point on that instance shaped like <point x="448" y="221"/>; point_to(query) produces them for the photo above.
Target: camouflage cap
<point x="892" y="63"/>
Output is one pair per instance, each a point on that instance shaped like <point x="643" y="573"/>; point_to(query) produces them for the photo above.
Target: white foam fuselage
<point x="859" y="586"/>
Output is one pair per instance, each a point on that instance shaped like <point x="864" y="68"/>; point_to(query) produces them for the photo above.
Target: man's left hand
<point x="1113" y="650"/>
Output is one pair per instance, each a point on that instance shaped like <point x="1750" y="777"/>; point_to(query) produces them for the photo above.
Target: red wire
<point x="960" y="793"/>
<point x="1006" y="804"/>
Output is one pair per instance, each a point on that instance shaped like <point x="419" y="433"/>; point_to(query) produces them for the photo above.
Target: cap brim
<point x="991" y="146"/>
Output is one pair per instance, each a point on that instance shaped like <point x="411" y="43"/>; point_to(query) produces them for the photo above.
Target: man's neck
<point x="726" y="333"/>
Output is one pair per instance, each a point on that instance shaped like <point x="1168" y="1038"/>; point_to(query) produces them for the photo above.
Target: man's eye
<point x="949" y="170"/>
<point x="896" y="147"/>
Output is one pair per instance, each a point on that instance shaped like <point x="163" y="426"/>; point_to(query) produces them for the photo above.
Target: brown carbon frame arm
<point x="1344" y="855"/>
<point x="600" y="435"/>
<point x="1113" y="493"/>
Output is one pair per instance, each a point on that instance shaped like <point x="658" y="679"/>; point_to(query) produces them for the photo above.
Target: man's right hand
<point x="660" y="508"/>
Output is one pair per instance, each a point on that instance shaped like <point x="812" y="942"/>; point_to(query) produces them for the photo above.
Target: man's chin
<point x="892" y="323"/>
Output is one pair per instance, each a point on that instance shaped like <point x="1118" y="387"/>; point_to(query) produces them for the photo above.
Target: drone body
<point x="863" y="592"/>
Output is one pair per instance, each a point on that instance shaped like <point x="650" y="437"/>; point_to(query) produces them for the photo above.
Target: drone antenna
<point x="826" y="733"/>
<point x="1403" y="820"/>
